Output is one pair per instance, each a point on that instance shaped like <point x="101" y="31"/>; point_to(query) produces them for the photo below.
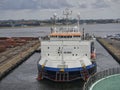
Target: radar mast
<point x="67" y="12"/>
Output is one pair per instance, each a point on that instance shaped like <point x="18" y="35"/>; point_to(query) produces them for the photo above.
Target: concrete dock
<point x="112" y="46"/>
<point x="12" y="57"/>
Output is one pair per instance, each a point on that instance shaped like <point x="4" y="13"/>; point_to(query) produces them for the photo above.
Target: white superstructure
<point x="65" y="49"/>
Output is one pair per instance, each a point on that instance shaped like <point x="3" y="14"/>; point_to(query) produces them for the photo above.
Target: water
<point x="24" y="32"/>
<point x="102" y="29"/>
<point x="97" y="29"/>
<point x="24" y="77"/>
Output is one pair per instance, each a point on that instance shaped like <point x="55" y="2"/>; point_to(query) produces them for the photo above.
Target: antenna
<point x="78" y="21"/>
<point x="54" y="17"/>
<point x="67" y="12"/>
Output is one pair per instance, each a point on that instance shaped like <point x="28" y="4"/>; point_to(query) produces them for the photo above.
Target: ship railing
<point x="68" y="29"/>
<point x="100" y="75"/>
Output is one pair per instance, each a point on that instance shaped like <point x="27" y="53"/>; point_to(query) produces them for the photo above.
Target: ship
<point x="68" y="54"/>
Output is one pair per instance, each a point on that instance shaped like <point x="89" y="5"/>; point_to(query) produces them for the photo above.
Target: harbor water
<point x="24" y="76"/>
<point x="96" y="29"/>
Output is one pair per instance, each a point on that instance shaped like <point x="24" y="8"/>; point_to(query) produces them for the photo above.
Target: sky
<point x="44" y="9"/>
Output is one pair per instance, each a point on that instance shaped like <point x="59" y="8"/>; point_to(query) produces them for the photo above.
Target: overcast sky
<point x="44" y="9"/>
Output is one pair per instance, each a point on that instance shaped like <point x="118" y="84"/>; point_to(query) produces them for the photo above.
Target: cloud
<point x="83" y="5"/>
<point x="91" y="4"/>
<point x="100" y="4"/>
<point x="44" y="9"/>
<point x="33" y="4"/>
<point x="18" y="4"/>
<point x="54" y="4"/>
<point x="114" y="1"/>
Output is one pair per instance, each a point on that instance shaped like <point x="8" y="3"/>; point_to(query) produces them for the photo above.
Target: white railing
<point x="100" y="75"/>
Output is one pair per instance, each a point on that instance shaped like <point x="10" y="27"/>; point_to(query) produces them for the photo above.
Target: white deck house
<point x="65" y="50"/>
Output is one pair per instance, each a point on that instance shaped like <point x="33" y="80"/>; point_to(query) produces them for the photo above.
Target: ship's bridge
<point x="66" y="34"/>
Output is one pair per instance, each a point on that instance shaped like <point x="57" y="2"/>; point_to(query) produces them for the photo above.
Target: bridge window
<point x="76" y="36"/>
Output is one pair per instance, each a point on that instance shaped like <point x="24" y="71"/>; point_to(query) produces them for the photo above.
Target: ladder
<point x="84" y="72"/>
<point x="40" y="75"/>
<point x="62" y="76"/>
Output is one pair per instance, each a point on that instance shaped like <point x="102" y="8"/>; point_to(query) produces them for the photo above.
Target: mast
<point x="67" y="12"/>
<point x="53" y="19"/>
<point x="78" y="21"/>
<point x="63" y="63"/>
<point x="54" y="16"/>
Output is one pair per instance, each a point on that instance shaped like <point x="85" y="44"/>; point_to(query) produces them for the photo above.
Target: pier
<point x="112" y="46"/>
<point x="15" y="55"/>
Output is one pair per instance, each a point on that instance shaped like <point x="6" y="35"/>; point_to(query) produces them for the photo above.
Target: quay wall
<point x="15" y="61"/>
<point x="114" y="51"/>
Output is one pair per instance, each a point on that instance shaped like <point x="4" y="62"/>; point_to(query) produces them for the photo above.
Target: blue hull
<point x="69" y="74"/>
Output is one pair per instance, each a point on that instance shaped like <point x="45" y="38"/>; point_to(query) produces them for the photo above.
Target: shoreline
<point x="50" y="25"/>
